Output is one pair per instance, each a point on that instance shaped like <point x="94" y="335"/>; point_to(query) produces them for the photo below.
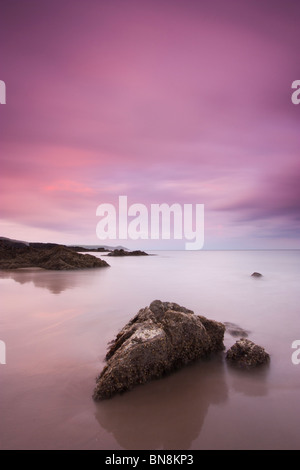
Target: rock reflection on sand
<point x="167" y="413"/>
<point x="250" y="383"/>
<point x="54" y="281"/>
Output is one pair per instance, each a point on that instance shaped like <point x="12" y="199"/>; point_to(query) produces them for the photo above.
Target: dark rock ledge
<point x="22" y="255"/>
<point x="122" y="252"/>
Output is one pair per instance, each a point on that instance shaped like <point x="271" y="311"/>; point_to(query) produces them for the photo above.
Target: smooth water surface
<point x="56" y="326"/>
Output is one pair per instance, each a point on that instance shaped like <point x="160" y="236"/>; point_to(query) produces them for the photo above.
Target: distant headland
<point x="18" y="254"/>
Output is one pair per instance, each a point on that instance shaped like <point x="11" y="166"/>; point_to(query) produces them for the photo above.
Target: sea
<point x="56" y="327"/>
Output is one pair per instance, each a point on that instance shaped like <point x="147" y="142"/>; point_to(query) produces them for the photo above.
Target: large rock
<point x="58" y="257"/>
<point x="159" y="339"/>
<point x="247" y="355"/>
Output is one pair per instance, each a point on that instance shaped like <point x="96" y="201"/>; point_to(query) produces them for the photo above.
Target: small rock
<point x="247" y="355"/>
<point x="236" y="330"/>
<point x="256" y="275"/>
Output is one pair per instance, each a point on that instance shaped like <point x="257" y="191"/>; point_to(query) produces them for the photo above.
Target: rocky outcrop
<point x="235" y="330"/>
<point x="127" y="253"/>
<point x="81" y="249"/>
<point x="158" y="340"/>
<point x="256" y="275"/>
<point x="246" y="355"/>
<point x="57" y="257"/>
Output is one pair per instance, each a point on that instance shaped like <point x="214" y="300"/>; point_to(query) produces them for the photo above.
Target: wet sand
<point x="56" y="327"/>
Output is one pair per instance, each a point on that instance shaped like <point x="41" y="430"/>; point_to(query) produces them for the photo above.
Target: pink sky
<point x="162" y="101"/>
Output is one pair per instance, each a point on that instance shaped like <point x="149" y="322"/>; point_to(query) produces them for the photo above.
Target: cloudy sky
<point x="163" y="101"/>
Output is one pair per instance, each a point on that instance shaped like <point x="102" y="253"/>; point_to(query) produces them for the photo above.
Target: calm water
<point x="56" y="326"/>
